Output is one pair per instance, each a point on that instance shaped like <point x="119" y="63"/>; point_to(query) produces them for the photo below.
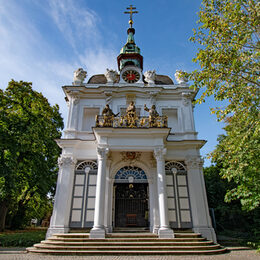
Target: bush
<point x="21" y="238"/>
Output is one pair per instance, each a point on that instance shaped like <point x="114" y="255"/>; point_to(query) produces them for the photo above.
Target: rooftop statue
<point x="79" y="76"/>
<point x="150" y="76"/>
<point x="180" y="77"/>
<point x="111" y="76"/>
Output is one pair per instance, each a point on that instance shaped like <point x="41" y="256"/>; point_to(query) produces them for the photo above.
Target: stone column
<point x="164" y="231"/>
<point x="62" y="202"/>
<point x="108" y="199"/>
<point x="198" y="198"/>
<point x="98" y="230"/>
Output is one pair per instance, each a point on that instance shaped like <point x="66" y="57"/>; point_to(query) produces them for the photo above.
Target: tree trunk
<point x="3" y="212"/>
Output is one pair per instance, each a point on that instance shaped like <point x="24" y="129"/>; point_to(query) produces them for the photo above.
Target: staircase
<point x="122" y="243"/>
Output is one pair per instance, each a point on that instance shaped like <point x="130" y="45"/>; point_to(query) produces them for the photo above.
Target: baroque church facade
<point x="130" y="154"/>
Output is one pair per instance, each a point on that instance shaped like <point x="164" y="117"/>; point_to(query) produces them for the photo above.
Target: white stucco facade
<point x="126" y="176"/>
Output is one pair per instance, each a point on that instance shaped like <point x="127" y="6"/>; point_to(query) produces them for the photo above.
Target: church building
<point x="130" y="153"/>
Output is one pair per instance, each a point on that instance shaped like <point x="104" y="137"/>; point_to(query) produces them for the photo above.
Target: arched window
<point x="174" y="165"/>
<point x="130" y="174"/>
<point x="83" y="165"/>
<point x="178" y="195"/>
<point x="83" y="196"/>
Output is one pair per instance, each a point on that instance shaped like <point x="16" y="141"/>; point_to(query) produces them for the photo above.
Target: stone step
<point x="129" y="247"/>
<point x="131" y="235"/>
<point x="140" y="243"/>
<point x="71" y="235"/>
<point x="126" y="244"/>
<point x="128" y="239"/>
<point x="127" y="252"/>
<point x="176" y="235"/>
<point x="125" y="235"/>
<point x="131" y="230"/>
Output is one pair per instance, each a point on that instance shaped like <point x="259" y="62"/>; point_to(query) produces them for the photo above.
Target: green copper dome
<point x="130" y="46"/>
<point x="130" y="53"/>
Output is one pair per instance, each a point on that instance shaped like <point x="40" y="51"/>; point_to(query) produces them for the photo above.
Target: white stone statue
<point x="180" y="78"/>
<point x="111" y="76"/>
<point x="150" y="76"/>
<point x="79" y="76"/>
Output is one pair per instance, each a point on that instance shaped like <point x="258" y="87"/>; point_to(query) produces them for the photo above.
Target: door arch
<point x="131" y="198"/>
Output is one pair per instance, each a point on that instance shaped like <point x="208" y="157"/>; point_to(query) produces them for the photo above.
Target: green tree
<point x="229" y="69"/>
<point x="28" y="151"/>
<point x="230" y="218"/>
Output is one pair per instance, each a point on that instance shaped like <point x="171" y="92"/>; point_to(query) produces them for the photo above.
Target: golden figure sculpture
<point x="131" y="115"/>
<point x="153" y="115"/>
<point x="108" y="116"/>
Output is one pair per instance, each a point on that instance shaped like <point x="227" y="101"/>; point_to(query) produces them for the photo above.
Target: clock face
<point x="131" y="76"/>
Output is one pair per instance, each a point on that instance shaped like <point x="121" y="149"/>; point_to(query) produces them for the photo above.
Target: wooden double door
<point x="131" y="205"/>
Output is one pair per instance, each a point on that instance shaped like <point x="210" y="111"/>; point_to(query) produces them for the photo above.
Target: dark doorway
<point x="131" y="205"/>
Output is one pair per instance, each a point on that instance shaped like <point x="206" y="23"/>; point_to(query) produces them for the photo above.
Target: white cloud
<point x="74" y="22"/>
<point x="28" y="54"/>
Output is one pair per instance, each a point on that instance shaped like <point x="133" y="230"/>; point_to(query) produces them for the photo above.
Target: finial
<point x="131" y="12"/>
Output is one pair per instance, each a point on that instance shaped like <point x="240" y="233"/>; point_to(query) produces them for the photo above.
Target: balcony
<point x="131" y="121"/>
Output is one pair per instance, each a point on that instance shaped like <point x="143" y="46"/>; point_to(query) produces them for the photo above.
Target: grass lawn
<point x="21" y="238"/>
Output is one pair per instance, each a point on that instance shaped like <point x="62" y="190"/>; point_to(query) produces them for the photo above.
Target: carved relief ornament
<point x="130" y="157"/>
<point x="186" y="98"/>
<point x="66" y="161"/>
<point x="194" y="162"/>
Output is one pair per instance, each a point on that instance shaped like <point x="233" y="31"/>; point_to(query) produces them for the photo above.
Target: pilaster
<point x="198" y="198"/>
<point x="62" y="202"/>
<point x="72" y="124"/>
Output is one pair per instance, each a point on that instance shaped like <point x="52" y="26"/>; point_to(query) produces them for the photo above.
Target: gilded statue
<point x="153" y="114"/>
<point x="131" y="115"/>
<point x="108" y="116"/>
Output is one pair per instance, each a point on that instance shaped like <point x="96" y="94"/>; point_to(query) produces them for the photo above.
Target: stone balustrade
<point x="131" y="121"/>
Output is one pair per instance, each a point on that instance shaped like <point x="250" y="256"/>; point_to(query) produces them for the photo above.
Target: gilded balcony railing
<point x="131" y="121"/>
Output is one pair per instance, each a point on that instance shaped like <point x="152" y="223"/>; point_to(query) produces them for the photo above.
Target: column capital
<point x="102" y="152"/>
<point x="66" y="161"/>
<point x="194" y="162"/>
<point x="74" y="97"/>
<point x="159" y="153"/>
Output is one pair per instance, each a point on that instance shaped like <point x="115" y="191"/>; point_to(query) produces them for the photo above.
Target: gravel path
<point x="234" y="254"/>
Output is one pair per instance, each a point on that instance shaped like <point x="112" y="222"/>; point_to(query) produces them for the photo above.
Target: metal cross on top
<point x="131" y="12"/>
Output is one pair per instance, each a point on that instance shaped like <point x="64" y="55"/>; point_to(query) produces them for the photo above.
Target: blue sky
<point x="45" y="41"/>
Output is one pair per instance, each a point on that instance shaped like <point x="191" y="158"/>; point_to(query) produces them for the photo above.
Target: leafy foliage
<point x="231" y="220"/>
<point x="28" y="151"/>
<point x="229" y="59"/>
<point x="21" y="239"/>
